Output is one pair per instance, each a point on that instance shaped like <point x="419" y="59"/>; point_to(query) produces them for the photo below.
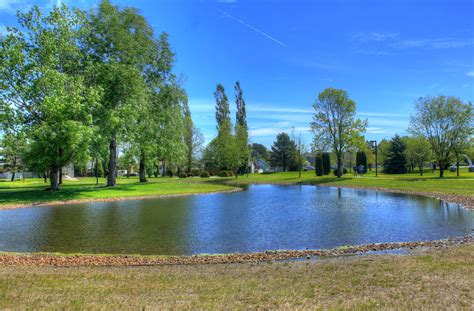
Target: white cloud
<point x="11" y="6"/>
<point x="470" y="73"/>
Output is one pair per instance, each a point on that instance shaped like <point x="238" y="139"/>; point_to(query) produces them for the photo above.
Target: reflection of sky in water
<point x="265" y="217"/>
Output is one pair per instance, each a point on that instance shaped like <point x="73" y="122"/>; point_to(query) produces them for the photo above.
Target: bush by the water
<point x="183" y="175"/>
<point x="318" y="164"/>
<point x="205" y="174"/>
<point x="223" y="174"/>
<point x="190" y="175"/>
<point x="326" y="163"/>
<point x="196" y="171"/>
<point x="344" y="171"/>
<point x="231" y="173"/>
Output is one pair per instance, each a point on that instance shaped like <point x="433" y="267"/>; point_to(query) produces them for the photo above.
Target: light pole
<point x="374" y="145"/>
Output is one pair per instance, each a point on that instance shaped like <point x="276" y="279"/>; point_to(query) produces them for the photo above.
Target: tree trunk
<point x="111" y="177"/>
<point x="163" y="165"/>
<point x="339" y="166"/>
<point x="45" y="178"/>
<point x="13" y="176"/>
<point x="96" y="171"/>
<point x="142" y="167"/>
<point x="53" y="177"/>
<point x="60" y="176"/>
<point x="457" y="168"/>
<point x="421" y="169"/>
<point x="441" y="171"/>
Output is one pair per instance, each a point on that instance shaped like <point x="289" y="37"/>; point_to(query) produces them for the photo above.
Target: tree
<point x="226" y="154"/>
<point x="283" y="150"/>
<point x="335" y="124"/>
<point x="259" y="150"/>
<point x="396" y="162"/>
<point x="445" y="122"/>
<point x="361" y="159"/>
<point x="124" y="53"/>
<point x="42" y="82"/>
<point x="318" y="164"/>
<point x="417" y="151"/>
<point x="192" y="138"/>
<point x="326" y="159"/>
<point x="241" y="129"/>
<point x="299" y="152"/>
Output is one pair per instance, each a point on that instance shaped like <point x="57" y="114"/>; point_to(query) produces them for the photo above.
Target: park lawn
<point x="431" y="183"/>
<point x="33" y="190"/>
<point x="433" y="279"/>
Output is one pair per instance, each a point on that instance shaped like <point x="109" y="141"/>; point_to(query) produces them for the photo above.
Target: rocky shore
<point x="12" y="259"/>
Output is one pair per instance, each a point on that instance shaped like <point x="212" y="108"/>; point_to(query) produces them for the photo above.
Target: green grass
<point x="33" y="190"/>
<point x="429" y="182"/>
<point x="434" y="279"/>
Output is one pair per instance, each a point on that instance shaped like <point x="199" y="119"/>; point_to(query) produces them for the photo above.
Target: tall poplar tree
<point x="241" y="128"/>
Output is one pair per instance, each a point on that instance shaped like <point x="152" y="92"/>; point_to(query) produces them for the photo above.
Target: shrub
<point x="326" y="163"/>
<point x="231" y="173"/>
<point x="196" y="171"/>
<point x="344" y="171"/>
<point x="318" y="165"/>
<point x="183" y="175"/>
<point x="223" y="174"/>
<point x="190" y="175"/>
<point x="205" y="174"/>
<point x="169" y="173"/>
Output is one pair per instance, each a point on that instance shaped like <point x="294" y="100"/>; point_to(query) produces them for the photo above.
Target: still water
<point x="264" y="217"/>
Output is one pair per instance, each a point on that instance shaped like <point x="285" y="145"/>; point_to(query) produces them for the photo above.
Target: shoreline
<point x="129" y="198"/>
<point x="91" y="260"/>
<point x="466" y="202"/>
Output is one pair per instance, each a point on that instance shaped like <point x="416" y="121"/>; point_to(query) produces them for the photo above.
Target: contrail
<point x="253" y="28"/>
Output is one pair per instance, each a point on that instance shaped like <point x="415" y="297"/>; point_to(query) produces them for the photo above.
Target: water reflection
<point x="265" y="217"/>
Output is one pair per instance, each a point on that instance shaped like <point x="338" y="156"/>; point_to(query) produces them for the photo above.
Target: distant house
<point x="258" y="165"/>
<point x="68" y="171"/>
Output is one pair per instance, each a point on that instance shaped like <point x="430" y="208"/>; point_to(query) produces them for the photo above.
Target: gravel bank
<point x="11" y="259"/>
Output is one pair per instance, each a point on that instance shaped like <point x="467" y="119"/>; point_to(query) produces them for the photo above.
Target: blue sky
<point x="384" y="53"/>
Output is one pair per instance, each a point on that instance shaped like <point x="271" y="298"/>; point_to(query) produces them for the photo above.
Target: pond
<point x="263" y="217"/>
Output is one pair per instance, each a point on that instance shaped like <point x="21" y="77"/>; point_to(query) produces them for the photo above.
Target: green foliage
<point x="318" y="164"/>
<point x="418" y="151"/>
<point x="336" y="172"/>
<point x="283" y="150"/>
<point x="204" y="174"/>
<point x="224" y="174"/>
<point x="396" y="162"/>
<point x="260" y="151"/>
<point x="326" y="157"/>
<point x="446" y="122"/>
<point x="361" y="159"/>
<point x="335" y="125"/>
<point x="183" y="175"/>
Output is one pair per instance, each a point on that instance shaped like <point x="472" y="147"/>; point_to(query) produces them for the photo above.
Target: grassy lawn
<point x="429" y="182"/>
<point x="435" y="279"/>
<point x="32" y="190"/>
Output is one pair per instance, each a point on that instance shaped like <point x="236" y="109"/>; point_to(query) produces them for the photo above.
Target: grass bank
<point x="459" y="189"/>
<point x="434" y="279"/>
<point x="32" y="191"/>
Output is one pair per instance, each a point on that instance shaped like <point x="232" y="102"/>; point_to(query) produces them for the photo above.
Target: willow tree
<point x="41" y="81"/>
<point x="335" y="125"/>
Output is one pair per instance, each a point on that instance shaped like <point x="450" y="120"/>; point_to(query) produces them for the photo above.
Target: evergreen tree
<point x="283" y="150"/>
<point x="395" y="162"/>
<point x="318" y="164"/>
<point x="361" y="159"/>
<point x="326" y="163"/>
